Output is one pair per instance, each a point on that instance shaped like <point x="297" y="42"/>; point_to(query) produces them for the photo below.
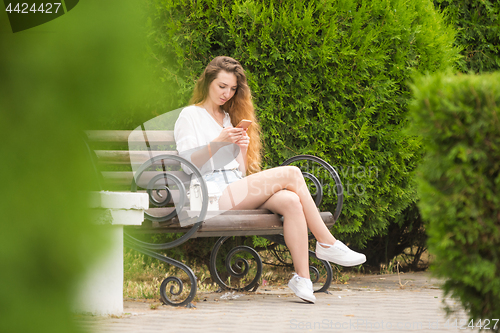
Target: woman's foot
<point x="303" y="288"/>
<point x="339" y="254"/>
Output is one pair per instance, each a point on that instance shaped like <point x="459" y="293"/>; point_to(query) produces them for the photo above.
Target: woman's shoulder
<point x="191" y="110"/>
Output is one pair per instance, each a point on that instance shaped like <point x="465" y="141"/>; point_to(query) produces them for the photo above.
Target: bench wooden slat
<point x="156" y="137"/>
<point x="167" y="210"/>
<point x="125" y="177"/>
<point x="139" y="157"/>
<point x="232" y="223"/>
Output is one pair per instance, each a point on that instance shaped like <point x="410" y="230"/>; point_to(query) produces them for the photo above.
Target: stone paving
<point x="375" y="303"/>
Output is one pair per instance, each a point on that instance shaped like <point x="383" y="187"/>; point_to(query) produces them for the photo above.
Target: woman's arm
<point x="242" y="157"/>
<point x="200" y="157"/>
<point x="228" y="136"/>
<point x="242" y="160"/>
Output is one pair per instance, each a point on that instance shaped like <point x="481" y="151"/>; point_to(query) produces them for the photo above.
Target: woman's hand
<point x="231" y="135"/>
<point x="244" y="141"/>
<point x="242" y="159"/>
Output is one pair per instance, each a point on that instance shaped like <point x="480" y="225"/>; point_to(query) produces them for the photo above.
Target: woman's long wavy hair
<point x="239" y="107"/>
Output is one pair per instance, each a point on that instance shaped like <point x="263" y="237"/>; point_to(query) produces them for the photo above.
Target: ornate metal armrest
<point x="160" y="182"/>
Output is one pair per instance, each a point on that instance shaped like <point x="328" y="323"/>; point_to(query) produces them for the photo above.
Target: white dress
<point x="196" y="128"/>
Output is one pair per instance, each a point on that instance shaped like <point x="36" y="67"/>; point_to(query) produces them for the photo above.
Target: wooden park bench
<point x="111" y="156"/>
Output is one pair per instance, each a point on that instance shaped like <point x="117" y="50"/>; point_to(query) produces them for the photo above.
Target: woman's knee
<point x="291" y="173"/>
<point x="290" y="203"/>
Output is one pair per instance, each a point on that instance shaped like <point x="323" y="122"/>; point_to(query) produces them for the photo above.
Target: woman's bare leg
<point x="253" y="191"/>
<point x="288" y="204"/>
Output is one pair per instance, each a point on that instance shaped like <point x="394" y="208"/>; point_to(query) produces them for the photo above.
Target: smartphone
<point x="244" y="124"/>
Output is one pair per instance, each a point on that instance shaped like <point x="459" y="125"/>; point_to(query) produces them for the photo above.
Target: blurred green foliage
<point x="459" y="184"/>
<point x="329" y="78"/>
<point x="56" y="80"/>
<point x="477" y="23"/>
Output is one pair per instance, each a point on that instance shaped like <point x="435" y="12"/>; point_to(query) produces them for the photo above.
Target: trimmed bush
<point x="478" y="32"/>
<point x="328" y="78"/>
<point x="459" y="117"/>
<point x="56" y="79"/>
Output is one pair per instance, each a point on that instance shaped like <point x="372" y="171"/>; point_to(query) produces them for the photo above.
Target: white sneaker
<point x="303" y="288"/>
<point x="339" y="254"/>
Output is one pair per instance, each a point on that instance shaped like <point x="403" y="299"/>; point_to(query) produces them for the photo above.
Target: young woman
<point x="220" y="101"/>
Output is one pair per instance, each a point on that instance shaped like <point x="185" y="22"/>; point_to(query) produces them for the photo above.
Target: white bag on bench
<point x="196" y="198"/>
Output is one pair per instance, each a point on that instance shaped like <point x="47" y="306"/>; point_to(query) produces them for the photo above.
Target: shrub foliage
<point x="328" y="79"/>
<point x="478" y="32"/>
<point x="459" y="117"/>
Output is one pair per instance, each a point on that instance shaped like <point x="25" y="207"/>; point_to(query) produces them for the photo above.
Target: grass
<point x="143" y="276"/>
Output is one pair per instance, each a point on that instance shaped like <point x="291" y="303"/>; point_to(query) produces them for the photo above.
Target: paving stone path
<point x="375" y="303"/>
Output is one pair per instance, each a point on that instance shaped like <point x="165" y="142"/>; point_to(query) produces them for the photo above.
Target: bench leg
<point x="171" y="279"/>
<point x="241" y="265"/>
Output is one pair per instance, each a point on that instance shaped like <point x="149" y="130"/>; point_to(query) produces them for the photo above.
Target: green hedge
<point x="328" y="79"/>
<point x="56" y="79"/>
<point x="478" y="32"/>
<point x="459" y="117"/>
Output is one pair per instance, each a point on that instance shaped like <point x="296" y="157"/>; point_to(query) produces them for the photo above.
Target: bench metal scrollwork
<point x="150" y="249"/>
<point x="241" y="265"/>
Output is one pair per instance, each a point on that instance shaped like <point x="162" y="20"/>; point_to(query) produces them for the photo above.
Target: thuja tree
<point x="329" y="78"/>
<point x="459" y="117"/>
<point x="477" y="23"/>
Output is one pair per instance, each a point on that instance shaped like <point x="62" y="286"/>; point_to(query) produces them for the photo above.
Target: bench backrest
<point x="115" y="157"/>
